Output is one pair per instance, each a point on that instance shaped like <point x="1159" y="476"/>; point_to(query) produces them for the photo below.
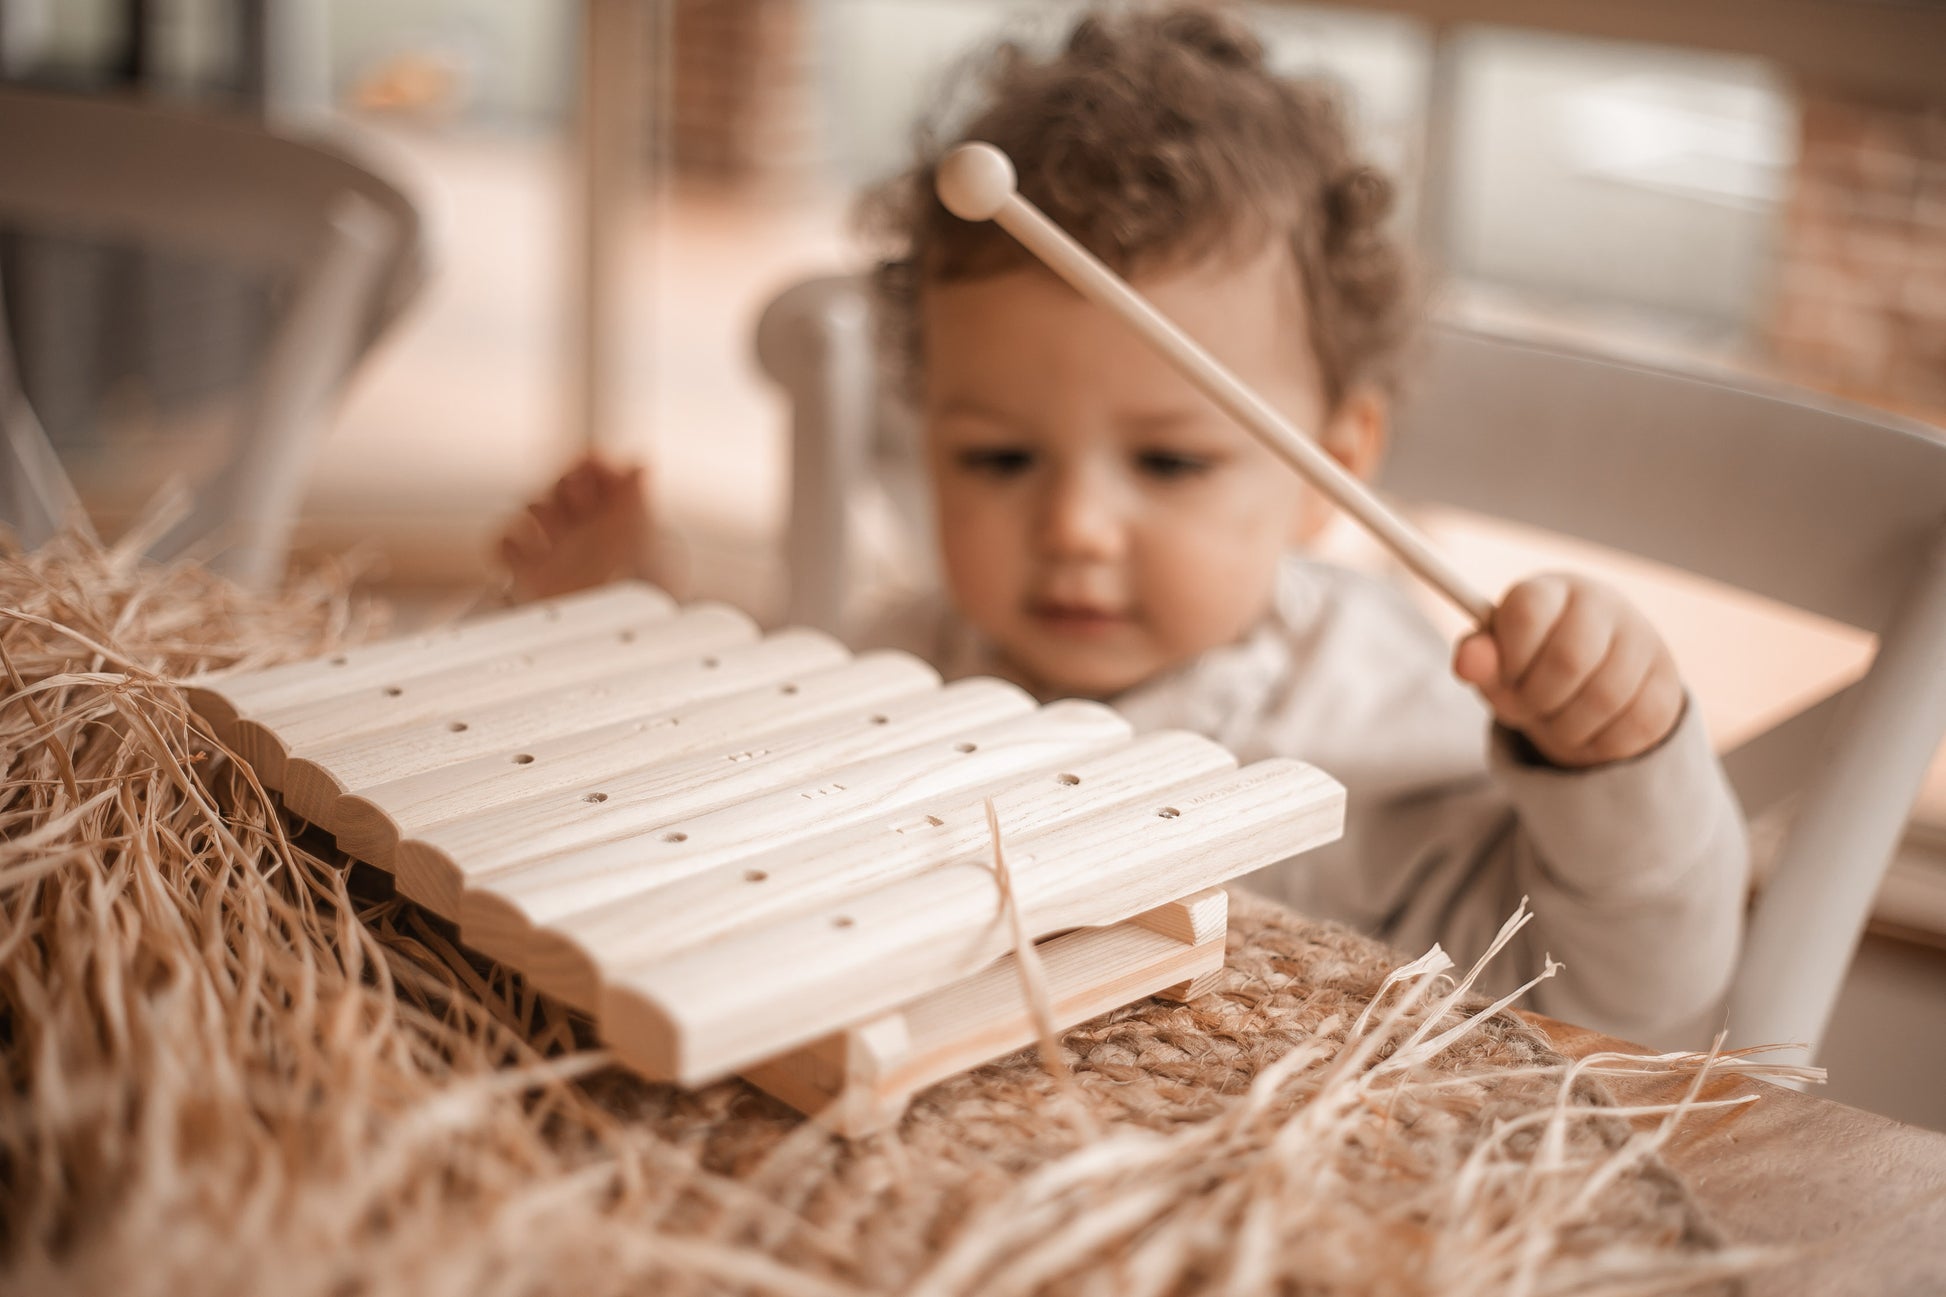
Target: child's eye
<point x="996" y="461"/>
<point x="1169" y="464"/>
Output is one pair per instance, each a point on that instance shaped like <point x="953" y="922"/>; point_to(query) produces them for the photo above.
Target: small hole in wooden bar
<point x="754" y="875"/>
<point x="595" y="797"/>
<point x="524" y="759"/>
<point x="966" y="747"/>
<point x="1168" y="812"/>
<point x="393" y="691"/>
<point x="626" y="637"/>
<point x="675" y="837"/>
<point x="786" y="689"/>
<point x="881" y="720"/>
<point x="457" y="727"/>
<point x="842" y="921"/>
<point x="340" y="660"/>
<point x="1069" y="780"/>
<point x="710" y="664"/>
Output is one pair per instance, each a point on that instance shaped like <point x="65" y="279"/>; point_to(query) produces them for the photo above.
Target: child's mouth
<point x="1081" y="620"/>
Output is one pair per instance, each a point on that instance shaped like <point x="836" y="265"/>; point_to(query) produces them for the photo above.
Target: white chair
<point x="345" y="243"/>
<point x="1831" y="509"/>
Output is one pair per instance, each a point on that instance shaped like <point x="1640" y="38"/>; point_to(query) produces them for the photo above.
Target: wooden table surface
<point x="1864" y="1196"/>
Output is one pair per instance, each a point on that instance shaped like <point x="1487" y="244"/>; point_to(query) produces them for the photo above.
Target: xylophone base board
<point x="861" y="1079"/>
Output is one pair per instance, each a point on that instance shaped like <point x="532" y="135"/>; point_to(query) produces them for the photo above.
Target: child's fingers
<point x="523" y="541"/>
<point x="1606" y="694"/>
<point x="1649" y="718"/>
<point x="579" y="488"/>
<point x="548" y="518"/>
<point x="1524" y="620"/>
<point x="1575" y="650"/>
<point x="1477" y="660"/>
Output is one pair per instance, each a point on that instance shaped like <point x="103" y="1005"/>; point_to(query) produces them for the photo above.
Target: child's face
<point x="1100" y="519"/>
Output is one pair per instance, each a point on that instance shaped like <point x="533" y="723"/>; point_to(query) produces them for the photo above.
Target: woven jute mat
<point x="1361" y="1199"/>
<point x="234" y="1063"/>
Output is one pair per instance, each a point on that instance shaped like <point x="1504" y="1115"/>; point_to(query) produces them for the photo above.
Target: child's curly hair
<point x="1157" y="137"/>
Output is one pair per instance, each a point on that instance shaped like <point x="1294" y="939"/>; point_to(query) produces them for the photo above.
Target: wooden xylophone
<point x="761" y="854"/>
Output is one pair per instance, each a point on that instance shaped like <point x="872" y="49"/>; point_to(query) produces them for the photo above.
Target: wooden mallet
<point x="976" y="183"/>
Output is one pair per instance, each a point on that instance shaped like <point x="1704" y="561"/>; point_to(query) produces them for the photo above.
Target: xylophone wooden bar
<point x="503" y="714"/>
<point x="871" y="705"/>
<point x="431" y="695"/>
<point x="410" y="811"/>
<point x="240" y="706"/>
<point x="895" y="840"/>
<point x="522" y="915"/>
<point x="694" y="911"/>
<point x="968" y="757"/>
<point x="702" y="1013"/>
<point x="761" y="854"/>
<point x="637" y="691"/>
<point x="621" y="804"/>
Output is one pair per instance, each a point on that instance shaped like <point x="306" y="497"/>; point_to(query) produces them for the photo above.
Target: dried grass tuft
<point x="233" y="1064"/>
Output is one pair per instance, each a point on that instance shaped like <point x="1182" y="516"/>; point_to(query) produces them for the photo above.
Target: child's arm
<point x="593" y="526"/>
<point x="1629" y="839"/>
<point x="1635" y="864"/>
<point x="1635" y="871"/>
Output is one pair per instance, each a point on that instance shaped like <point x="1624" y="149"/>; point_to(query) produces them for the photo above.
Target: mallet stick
<point x="976" y="183"/>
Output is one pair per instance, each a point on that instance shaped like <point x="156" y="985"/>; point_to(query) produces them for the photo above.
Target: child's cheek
<point x="1223" y="582"/>
<point x="978" y="559"/>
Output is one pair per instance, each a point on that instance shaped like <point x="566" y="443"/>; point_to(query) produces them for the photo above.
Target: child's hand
<point x="1577" y="669"/>
<point x="592" y="527"/>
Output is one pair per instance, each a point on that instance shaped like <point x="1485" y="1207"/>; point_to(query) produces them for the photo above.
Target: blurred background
<point x="615" y="188"/>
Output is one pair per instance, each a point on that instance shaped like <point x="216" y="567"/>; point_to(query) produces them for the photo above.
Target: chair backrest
<point x="1832" y="509"/>
<point x="1822" y="506"/>
<point x="317" y="217"/>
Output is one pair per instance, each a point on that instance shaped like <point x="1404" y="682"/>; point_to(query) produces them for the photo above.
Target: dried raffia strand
<point x="231" y="1070"/>
<point x="1033" y="984"/>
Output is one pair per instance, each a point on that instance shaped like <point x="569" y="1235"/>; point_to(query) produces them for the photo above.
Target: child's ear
<point x="1357" y="431"/>
<point x="1355" y="435"/>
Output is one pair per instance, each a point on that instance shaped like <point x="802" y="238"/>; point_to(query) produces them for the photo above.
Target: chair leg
<point x="36" y="497"/>
<point x="1848" y="829"/>
<point x="250" y="509"/>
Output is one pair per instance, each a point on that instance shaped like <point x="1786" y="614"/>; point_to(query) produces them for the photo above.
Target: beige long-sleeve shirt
<point x="1635" y="871"/>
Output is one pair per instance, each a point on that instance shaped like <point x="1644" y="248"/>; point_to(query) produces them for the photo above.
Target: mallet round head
<point x="975" y="181"/>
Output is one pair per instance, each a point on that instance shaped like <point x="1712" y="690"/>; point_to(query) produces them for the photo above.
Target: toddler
<point x="1105" y="531"/>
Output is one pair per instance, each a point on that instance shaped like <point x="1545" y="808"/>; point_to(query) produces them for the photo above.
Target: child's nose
<point x="1081" y="520"/>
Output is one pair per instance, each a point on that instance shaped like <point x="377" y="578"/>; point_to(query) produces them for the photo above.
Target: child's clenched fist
<point x="1577" y="669"/>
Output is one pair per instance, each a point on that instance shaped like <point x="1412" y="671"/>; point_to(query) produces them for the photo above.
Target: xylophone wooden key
<point x="710" y="1010"/>
<point x="230" y="698"/>
<point x="439" y="691"/>
<point x="702" y="905"/>
<point x="413" y="819"/>
<point x="648" y="799"/>
<point x="530" y="695"/>
<point x="501" y="915"/>
<point x="646" y="689"/>
<point x="604" y="917"/>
